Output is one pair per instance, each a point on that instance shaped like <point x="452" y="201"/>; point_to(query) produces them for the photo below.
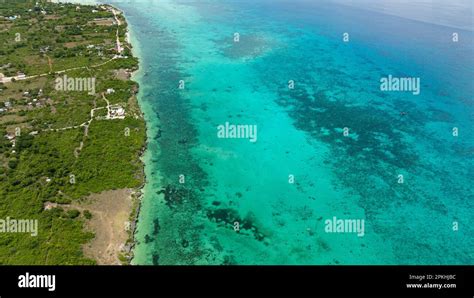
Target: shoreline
<point x="138" y="193"/>
<point x="135" y="76"/>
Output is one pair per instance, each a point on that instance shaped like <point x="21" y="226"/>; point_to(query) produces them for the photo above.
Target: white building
<point x="117" y="112"/>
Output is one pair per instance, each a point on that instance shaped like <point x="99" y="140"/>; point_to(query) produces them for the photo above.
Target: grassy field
<point x="50" y="148"/>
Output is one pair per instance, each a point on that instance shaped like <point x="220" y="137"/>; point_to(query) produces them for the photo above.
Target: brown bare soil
<point x="110" y="218"/>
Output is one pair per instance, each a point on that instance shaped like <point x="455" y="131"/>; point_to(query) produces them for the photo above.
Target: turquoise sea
<point x="303" y="169"/>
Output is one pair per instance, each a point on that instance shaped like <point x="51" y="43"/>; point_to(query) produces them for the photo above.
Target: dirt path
<point x="17" y="78"/>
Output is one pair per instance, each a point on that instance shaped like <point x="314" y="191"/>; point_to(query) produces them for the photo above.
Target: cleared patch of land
<point x="110" y="223"/>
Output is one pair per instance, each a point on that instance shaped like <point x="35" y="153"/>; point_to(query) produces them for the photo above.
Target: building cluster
<point x="28" y="100"/>
<point x="116" y="112"/>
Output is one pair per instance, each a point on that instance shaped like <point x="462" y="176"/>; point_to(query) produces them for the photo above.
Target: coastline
<point x="138" y="193"/>
<point x="136" y="76"/>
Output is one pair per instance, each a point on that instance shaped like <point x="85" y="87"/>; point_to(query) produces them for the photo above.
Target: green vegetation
<point x="61" y="155"/>
<point x="87" y="214"/>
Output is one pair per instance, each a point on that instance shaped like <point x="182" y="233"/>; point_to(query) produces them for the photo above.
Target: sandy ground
<point x="110" y="221"/>
<point x="122" y="74"/>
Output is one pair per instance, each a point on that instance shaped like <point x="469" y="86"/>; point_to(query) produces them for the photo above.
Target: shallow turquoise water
<point x="300" y="133"/>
